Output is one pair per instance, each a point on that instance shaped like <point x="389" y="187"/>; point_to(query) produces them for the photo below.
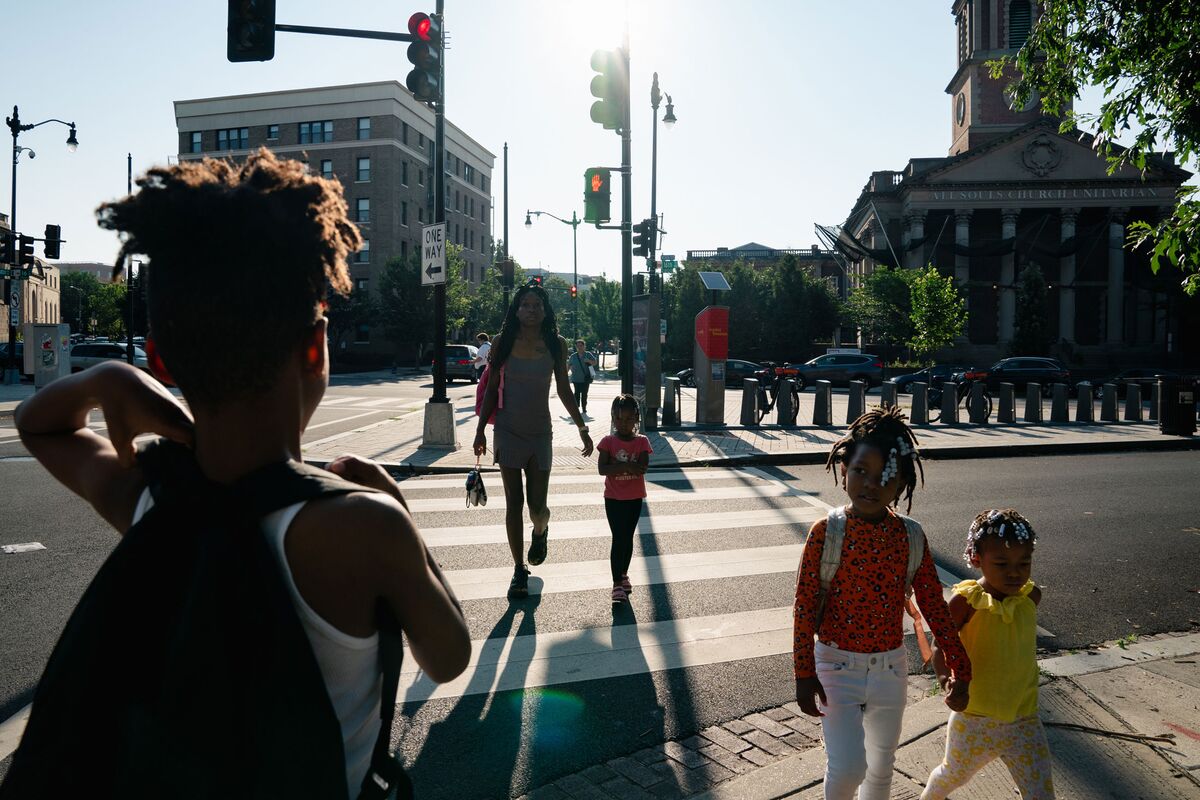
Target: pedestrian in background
<point x="997" y="621"/>
<point x="582" y="366"/>
<point x="481" y="355"/>
<point x="528" y="353"/>
<point x="858" y="667"/>
<point x="623" y="456"/>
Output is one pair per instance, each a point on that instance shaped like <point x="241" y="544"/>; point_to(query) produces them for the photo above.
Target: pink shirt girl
<point x="625" y="487"/>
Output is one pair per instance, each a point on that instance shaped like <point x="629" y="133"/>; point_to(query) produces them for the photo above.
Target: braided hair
<point x="1001" y="524"/>
<point x="886" y="429"/>
<point x="626" y="402"/>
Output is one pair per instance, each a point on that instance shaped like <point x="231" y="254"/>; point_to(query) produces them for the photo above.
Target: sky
<point x="784" y="107"/>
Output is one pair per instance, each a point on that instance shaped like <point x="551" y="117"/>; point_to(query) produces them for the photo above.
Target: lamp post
<point x="669" y="121"/>
<point x="574" y="223"/>
<point x="78" y="308"/>
<point x="12" y="375"/>
<point x="129" y="298"/>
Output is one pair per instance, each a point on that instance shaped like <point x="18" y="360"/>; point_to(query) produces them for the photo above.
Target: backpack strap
<point x="916" y="550"/>
<point x="831" y="558"/>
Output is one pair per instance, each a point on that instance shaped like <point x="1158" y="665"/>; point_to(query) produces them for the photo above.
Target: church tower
<point x="979" y="107"/>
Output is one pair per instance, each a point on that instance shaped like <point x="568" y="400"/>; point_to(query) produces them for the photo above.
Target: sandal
<point x="618" y="595"/>
<point x="626" y="585"/>
<point x="537" y="546"/>
<point x="519" y="586"/>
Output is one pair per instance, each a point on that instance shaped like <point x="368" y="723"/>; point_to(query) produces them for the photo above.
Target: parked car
<point x="935" y="375"/>
<point x="1139" y="375"/>
<point x="1020" y="371"/>
<point x="837" y="368"/>
<point x="20" y="359"/>
<point x="89" y="354"/>
<point x="736" y="371"/>
<point x="460" y="362"/>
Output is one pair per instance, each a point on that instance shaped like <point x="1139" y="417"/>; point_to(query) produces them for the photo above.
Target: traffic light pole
<point x="626" y="360"/>
<point x="439" y="198"/>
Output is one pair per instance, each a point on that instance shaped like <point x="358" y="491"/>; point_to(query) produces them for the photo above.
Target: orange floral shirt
<point x="865" y="609"/>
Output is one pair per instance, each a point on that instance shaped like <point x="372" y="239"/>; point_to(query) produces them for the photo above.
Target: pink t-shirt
<point x="625" y="487"/>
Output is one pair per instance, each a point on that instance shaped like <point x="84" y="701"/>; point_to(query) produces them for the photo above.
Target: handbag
<point x="476" y="493"/>
<point x="591" y="372"/>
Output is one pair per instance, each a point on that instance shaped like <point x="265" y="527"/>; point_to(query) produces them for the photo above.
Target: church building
<point x="1013" y="191"/>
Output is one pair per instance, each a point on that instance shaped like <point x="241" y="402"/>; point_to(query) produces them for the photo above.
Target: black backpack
<point x="184" y="671"/>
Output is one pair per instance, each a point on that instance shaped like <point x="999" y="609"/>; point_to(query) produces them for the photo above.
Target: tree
<point x="687" y="296"/>
<point x="1143" y="54"/>
<point x="600" y="310"/>
<point x="79" y="292"/>
<point x="1031" y="337"/>
<point x="939" y="311"/>
<point x="108" y="309"/>
<point x="882" y="306"/>
<point x="346" y="314"/>
<point x="404" y="310"/>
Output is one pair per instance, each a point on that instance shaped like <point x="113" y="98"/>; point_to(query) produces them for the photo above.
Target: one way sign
<point x="433" y="254"/>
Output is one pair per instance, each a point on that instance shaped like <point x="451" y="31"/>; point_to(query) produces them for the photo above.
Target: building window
<point x="362" y="210"/>
<point x="421" y="177"/>
<point x="457" y="201"/>
<point x="1020" y="18"/>
<point x="420" y="215"/>
<point x="363" y="256"/>
<point x="327" y="168"/>
<point x="457" y="234"/>
<point x="364" y="169"/>
<point x="197" y="140"/>
<point x="483" y="213"/>
<point x="471" y="202"/>
<point x="421" y="140"/>
<point x="404" y="173"/>
<point x="469" y="174"/>
<point x="483" y="183"/>
<point x="362" y="334"/>
<point x="233" y="139"/>
<point x="272" y="132"/>
<point x="404" y="132"/>
<point x="472" y="238"/>
<point x="362" y="284"/>
<point x="316" y="132"/>
<point x="403" y="212"/>
<point x="364" y="127"/>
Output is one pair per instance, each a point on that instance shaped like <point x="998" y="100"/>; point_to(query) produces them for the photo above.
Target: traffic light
<point x="8" y="248"/>
<point x="53" y="240"/>
<point x="507" y="268"/>
<point x="597" y="195"/>
<point x="574" y="292"/>
<point x="535" y="280"/>
<point x="25" y="256"/>
<point x="643" y="238"/>
<point x="611" y="86"/>
<point x="251" y="30"/>
<point x="425" y="53"/>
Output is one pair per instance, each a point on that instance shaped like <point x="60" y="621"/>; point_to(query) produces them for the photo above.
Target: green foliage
<point x="74" y="302"/>
<point x="1031" y="336"/>
<point x="1143" y="54"/>
<point x="108" y="308"/>
<point x="882" y="306"/>
<point x="600" y="311"/>
<point x="403" y="310"/>
<point x="939" y="311"/>
<point x="471" y="308"/>
<point x="345" y="314"/>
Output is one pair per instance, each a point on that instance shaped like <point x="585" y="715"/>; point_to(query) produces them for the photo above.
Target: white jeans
<point x="861" y="726"/>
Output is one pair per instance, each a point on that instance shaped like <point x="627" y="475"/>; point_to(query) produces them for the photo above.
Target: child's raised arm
<point x="933" y="606"/>
<point x="53" y="427"/>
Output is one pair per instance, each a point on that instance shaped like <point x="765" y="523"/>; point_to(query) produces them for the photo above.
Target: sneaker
<point x="519" y="586"/>
<point x="626" y="585"/>
<point x="537" y="547"/>
<point x="619" y="595"/>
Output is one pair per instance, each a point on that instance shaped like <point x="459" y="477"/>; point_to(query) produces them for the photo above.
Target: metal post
<point x="575" y="276"/>
<point x="439" y="199"/>
<point x="652" y="245"/>
<point x="626" y="360"/>
<point x="12" y="375"/>
<point x="129" y="266"/>
<point x="507" y="287"/>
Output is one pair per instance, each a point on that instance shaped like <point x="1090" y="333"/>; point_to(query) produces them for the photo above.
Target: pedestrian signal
<point x="597" y="195"/>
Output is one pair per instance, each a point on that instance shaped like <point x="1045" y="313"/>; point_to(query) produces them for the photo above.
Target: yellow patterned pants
<point x="973" y="741"/>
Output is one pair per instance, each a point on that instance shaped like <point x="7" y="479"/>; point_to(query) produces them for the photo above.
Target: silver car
<point x="88" y="354"/>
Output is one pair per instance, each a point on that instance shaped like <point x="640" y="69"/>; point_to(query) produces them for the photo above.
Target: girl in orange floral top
<point x="858" y="666"/>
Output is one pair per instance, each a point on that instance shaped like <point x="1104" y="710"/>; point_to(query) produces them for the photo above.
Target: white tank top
<point x="349" y="664"/>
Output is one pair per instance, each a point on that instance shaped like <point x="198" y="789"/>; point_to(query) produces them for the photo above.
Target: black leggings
<point x="622" y="521"/>
<point x="581" y="395"/>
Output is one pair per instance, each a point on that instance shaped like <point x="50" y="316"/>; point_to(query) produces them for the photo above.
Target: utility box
<point x="47" y="352"/>
<point x="1176" y="406"/>
<point x="708" y="360"/>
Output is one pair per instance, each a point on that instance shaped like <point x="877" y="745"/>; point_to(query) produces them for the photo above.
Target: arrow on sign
<point x="431" y="271"/>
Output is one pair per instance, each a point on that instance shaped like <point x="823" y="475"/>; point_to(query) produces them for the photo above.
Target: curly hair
<point x="886" y="429"/>
<point x="503" y="344"/>
<point x="239" y="259"/>
<point x="1001" y="524"/>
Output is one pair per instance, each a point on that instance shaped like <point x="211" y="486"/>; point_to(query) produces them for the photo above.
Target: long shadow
<point x="478" y="750"/>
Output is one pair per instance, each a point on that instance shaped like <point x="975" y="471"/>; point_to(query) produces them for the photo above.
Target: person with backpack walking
<point x="242" y="639"/>
<point x="582" y="365"/>
<point x="527" y="354"/>
<point x="623" y="456"/>
<point x="857" y="567"/>
<point x="996" y="617"/>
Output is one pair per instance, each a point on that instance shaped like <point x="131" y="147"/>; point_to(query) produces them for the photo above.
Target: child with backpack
<point x="623" y="457"/>
<point x="857" y="567"/>
<point x="996" y="617"/>
<point x="242" y="638"/>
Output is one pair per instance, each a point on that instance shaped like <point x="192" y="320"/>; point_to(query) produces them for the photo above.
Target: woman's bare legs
<point x="514" y="515"/>
<point x="537" y="486"/>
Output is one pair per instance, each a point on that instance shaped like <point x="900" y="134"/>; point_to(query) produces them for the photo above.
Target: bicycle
<point x="963" y="400"/>
<point x="770" y="379"/>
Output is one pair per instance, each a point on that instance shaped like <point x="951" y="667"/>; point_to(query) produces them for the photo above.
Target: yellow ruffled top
<point x="1001" y="640"/>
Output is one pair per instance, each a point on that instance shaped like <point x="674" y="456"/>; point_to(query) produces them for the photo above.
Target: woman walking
<point x="526" y="353"/>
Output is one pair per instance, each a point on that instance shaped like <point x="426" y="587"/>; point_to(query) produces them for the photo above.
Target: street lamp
<point x="574" y="223"/>
<point x="129" y="297"/>
<point x="78" y="308"/>
<point x="12" y="375"/>
<point x="668" y="120"/>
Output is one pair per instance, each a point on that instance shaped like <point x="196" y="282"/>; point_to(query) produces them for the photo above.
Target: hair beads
<point x="885" y="428"/>
<point x="1004" y="524"/>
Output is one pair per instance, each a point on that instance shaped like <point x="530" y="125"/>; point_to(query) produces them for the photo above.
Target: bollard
<point x="1108" y="403"/>
<point x="1007" y="413"/>
<point x="1177" y="414"/>
<point x="822" y="410"/>
<point x="920" y="404"/>
<point x="671" y="401"/>
<point x="1084" y="402"/>
<point x="785" y="415"/>
<point x="1152" y="412"/>
<point x="888" y="392"/>
<point x="749" y="401"/>
<point x="950" y="403"/>
<point x="856" y="403"/>
<point x="1058" y="405"/>
<point x="1033" y="402"/>
<point x="1133" y="402"/>
<point x="978" y="413"/>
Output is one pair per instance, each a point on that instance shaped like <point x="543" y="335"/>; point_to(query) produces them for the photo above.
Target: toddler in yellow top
<point x="997" y="621"/>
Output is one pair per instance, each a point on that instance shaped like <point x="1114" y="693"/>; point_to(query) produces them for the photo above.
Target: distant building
<point x="101" y="272"/>
<point x="40" y="296"/>
<point x="379" y="142"/>
<point x="821" y="263"/>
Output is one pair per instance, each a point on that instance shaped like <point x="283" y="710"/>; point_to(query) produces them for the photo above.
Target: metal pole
<point x="575" y="274"/>
<point x="507" y="287"/>
<point x="12" y="374"/>
<point x="652" y="245"/>
<point x="129" y="266"/>
<point x="439" y="199"/>
<point x="626" y="359"/>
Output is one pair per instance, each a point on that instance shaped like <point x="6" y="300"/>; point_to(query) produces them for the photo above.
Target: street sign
<point x="433" y="254"/>
<point x="669" y="263"/>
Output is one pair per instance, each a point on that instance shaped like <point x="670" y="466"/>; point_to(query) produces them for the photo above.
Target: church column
<point x="915" y="224"/>
<point x="962" y="263"/>
<point x="1008" y="230"/>
<point x="1066" y="292"/>
<point x="878" y="240"/>
<point x="1115" y="318"/>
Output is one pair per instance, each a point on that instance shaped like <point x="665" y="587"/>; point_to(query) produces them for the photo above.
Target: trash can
<point x="1176" y="406"/>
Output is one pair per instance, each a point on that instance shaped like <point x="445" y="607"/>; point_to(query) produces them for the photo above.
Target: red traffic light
<point x="574" y="292"/>
<point x="597" y="182"/>
<point x="421" y="26"/>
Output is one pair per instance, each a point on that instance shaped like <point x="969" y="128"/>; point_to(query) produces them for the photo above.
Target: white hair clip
<point x="904" y="448"/>
<point x="890" y="469"/>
